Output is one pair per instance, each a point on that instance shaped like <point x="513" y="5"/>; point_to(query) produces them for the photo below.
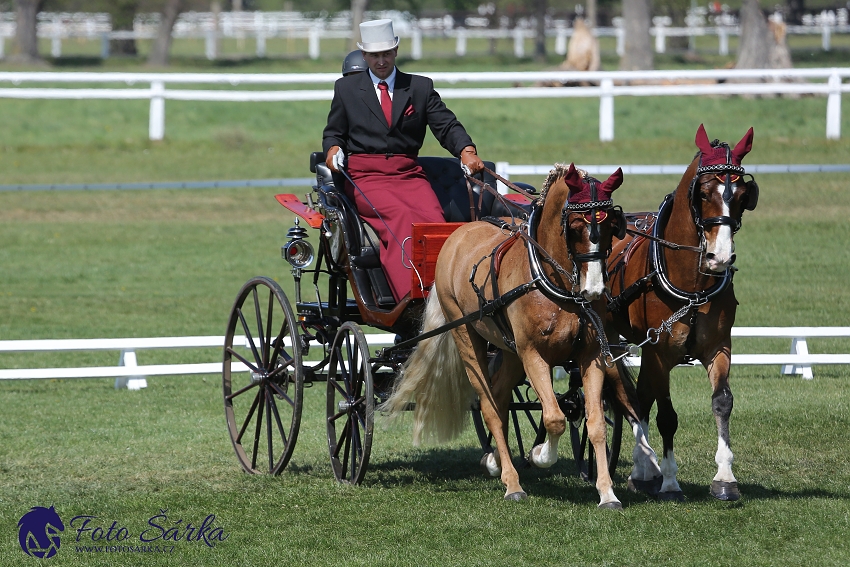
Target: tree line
<point x="757" y="40"/>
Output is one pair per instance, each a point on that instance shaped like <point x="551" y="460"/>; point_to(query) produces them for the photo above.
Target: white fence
<point x="262" y="26"/>
<point x="751" y="82"/>
<point x="129" y="374"/>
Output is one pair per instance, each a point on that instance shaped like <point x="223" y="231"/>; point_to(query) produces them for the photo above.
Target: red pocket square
<point x="409" y="110"/>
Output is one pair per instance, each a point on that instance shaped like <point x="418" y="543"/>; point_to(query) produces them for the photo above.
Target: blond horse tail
<point x="435" y="379"/>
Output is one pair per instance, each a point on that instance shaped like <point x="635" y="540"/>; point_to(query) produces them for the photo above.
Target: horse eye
<point x="705" y="195"/>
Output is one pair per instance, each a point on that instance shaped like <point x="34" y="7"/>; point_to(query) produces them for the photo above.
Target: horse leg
<point x="646" y="475"/>
<point x="503" y="379"/>
<point x="667" y="421"/>
<point x="473" y="352"/>
<point x="593" y="378"/>
<point x="539" y="373"/>
<point x="643" y="456"/>
<point x="724" y="486"/>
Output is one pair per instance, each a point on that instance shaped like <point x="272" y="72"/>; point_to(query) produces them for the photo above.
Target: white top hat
<point x="377" y="36"/>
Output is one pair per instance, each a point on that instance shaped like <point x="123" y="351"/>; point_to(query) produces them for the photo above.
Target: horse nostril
<point x="710" y="255"/>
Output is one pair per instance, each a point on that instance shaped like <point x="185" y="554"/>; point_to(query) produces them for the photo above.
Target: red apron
<point x="392" y="193"/>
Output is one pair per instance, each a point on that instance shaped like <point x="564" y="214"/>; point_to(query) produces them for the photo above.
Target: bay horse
<point x="672" y="294"/>
<point x="546" y="273"/>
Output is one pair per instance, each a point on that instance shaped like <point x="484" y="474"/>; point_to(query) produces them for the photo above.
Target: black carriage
<point x="265" y="373"/>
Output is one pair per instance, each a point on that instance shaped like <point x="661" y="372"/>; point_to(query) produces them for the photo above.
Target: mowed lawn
<point x="76" y="264"/>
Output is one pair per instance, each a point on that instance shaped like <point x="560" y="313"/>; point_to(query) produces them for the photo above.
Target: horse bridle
<point x="595" y="209"/>
<point x="728" y="174"/>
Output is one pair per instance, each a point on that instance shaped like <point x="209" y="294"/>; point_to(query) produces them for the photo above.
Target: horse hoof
<point x="650" y="487"/>
<point x="673" y="496"/>
<point x="516" y="496"/>
<point x="486" y="468"/>
<point x="610" y="506"/>
<point x="726" y="491"/>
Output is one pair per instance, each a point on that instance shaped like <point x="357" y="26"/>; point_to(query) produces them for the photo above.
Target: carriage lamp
<point x="298" y="251"/>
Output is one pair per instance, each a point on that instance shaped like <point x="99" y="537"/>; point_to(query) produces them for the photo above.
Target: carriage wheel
<point x="524" y="422"/>
<point x="351" y="404"/>
<point x="263" y="402"/>
<point x="583" y="453"/>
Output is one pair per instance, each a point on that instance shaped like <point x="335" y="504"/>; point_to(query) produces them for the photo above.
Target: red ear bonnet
<point x="720" y="155"/>
<point x="580" y="188"/>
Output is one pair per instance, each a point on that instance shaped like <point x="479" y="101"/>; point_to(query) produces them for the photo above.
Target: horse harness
<point x="651" y="229"/>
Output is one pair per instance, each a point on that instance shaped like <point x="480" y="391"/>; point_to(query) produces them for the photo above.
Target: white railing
<point x="292" y="25"/>
<point x="611" y="84"/>
<point x="129" y="374"/>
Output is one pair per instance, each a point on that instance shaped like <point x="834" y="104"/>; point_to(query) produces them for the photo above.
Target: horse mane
<point x="557" y="172"/>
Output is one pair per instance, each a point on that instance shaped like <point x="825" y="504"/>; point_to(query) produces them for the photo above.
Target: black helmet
<point x="354" y="63"/>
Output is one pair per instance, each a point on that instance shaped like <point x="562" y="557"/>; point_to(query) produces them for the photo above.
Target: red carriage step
<point x="294" y="204"/>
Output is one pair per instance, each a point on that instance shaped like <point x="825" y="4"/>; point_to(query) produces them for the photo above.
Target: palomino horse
<point x="672" y="293"/>
<point x="555" y="269"/>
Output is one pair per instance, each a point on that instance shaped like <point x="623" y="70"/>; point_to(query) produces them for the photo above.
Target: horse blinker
<point x="751" y="197"/>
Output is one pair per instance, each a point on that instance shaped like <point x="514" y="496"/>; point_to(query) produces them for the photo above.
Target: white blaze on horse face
<point x="593" y="282"/>
<point x="719" y="253"/>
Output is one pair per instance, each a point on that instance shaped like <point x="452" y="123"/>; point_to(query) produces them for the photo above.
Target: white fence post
<point x="416" y="47"/>
<point x="606" y="111"/>
<point x="826" y="36"/>
<point x="156" y="127"/>
<point x="799" y="346"/>
<point x="314" y="42"/>
<point x="261" y="43"/>
<point x="519" y="43"/>
<point x="561" y="41"/>
<point x="661" y="22"/>
<point x="211" y="45"/>
<point x="723" y="36"/>
<point x="128" y="359"/>
<point x="620" y="32"/>
<point x="833" y="107"/>
<point x="502" y="170"/>
<point x="460" y="46"/>
<point x="56" y="46"/>
<point x="104" y="45"/>
<point x="2" y="46"/>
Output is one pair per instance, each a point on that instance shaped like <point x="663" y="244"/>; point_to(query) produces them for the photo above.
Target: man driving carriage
<point x="375" y="129"/>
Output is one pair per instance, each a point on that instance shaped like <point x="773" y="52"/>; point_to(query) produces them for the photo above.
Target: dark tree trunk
<point x="162" y="43"/>
<point x="358" y="7"/>
<point x="637" y="19"/>
<point x="540" y="7"/>
<point x="123" y="13"/>
<point x="756" y="41"/>
<point x="26" y="40"/>
<point x="590" y="14"/>
<point x="796" y="9"/>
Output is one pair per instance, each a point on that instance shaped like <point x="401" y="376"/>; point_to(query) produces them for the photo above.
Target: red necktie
<point x="386" y="102"/>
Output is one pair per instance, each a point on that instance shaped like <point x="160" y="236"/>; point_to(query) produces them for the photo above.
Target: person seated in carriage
<point x="375" y="129"/>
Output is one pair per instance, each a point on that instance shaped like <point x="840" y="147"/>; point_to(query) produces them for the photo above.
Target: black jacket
<point x="357" y="124"/>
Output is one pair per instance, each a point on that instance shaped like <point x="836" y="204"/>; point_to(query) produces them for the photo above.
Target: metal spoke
<point x="258" y="429"/>
<point x="242" y="391"/>
<point x="243" y="360"/>
<point x="280" y="429"/>
<point x="249" y="338"/>
<point x="248" y="418"/>
<point x="259" y="320"/>
<point x="282" y="394"/>
<point x="269" y="403"/>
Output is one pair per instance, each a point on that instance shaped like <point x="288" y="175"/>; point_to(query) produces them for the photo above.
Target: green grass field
<point x="79" y="264"/>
